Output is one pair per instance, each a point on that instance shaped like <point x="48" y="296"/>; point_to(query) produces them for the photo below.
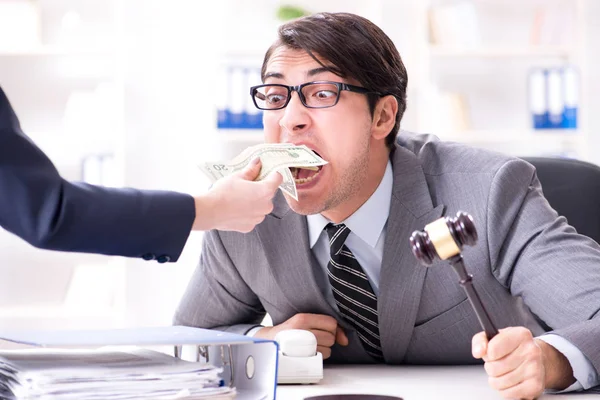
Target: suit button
<point x="148" y="256"/>
<point x="163" y="259"/>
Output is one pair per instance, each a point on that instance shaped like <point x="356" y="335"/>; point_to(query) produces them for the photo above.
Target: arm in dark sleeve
<point x="538" y="256"/>
<point x="49" y="212"/>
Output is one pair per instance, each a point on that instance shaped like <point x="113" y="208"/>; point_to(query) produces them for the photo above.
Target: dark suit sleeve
<point x="538" y="256"/>
<point x="39" y="206"/>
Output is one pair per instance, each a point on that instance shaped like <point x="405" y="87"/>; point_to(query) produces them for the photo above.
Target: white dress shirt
<point x="368" y="227"/>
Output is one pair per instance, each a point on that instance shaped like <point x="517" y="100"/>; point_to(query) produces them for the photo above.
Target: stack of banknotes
<point x="278" y="157"/>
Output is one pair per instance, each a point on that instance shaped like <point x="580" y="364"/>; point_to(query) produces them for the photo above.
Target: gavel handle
<point x="466" y="281"/>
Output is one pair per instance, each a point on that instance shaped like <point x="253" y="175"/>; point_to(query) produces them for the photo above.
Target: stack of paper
<point x="105" y="374"/>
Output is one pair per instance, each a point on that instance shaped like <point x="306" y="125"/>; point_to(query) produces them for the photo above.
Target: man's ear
<point x="384" y="117"/>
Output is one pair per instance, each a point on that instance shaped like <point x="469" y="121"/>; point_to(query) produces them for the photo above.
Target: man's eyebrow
<point x="317" y="71"/>
<point x="277" y="75"/>
<point x="310" y="73"/>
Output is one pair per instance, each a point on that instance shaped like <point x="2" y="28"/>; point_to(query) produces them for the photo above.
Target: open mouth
<point x="305" y="174"/>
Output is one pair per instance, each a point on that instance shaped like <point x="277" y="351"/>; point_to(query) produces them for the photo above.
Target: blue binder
<point x="248" y="363"/>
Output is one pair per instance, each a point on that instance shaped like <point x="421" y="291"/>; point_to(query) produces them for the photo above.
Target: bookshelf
<point x="53" y="50"/>
<point x="160" y="62"/>
<point x="154" y="88"/>
<point x="515" y="136"/>
<point x="500" y="52"/>
<point x="480" y="75"/>
<point x="65" y="82"/>
<point x="473" y="57"/>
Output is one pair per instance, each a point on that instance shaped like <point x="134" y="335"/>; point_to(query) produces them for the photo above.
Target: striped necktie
<point x="352" y="291"/>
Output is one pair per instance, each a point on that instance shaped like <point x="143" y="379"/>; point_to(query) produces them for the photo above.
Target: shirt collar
<point x="368" y="221"/>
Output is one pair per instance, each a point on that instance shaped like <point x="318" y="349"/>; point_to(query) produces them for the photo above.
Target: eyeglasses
<point x="321" y="94"/>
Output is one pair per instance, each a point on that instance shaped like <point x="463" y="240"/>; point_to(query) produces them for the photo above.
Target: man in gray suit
<point x="337" y="261"/>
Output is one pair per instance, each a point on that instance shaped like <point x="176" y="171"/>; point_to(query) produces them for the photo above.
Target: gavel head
<point x="443" y="238"/>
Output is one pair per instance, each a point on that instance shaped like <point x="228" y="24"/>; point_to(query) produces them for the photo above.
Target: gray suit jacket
<point x="530" y="267"/>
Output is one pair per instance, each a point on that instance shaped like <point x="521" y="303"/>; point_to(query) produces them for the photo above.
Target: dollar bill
<point x="274" y="157"/>
<point x="288" y="185"/>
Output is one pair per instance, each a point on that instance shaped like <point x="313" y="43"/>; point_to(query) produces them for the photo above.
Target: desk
<point x="408" y="382"/>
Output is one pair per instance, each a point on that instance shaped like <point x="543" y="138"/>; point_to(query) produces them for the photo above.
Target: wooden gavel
<point x="444" y="238"/>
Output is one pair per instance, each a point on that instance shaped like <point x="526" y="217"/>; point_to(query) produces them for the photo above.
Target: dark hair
<point x="356" y="47"/>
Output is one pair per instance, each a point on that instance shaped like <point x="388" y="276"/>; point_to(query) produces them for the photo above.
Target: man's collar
<point x="316" y="224"/>
<point x="368" y="221"/>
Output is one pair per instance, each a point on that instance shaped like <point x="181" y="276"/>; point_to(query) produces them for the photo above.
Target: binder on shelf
<point x="236" y="109"/>
<point x="556" y="102"/>
<point x="253" y="114"/>
<point x="537" y="98"/>
<point x="249" y="364"/>
<point x="554" y="97"/>
<point x="571" y="96"/>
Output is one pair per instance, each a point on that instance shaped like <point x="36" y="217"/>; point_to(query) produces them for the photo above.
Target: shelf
<point x="241" y="135"/>
<point x="515" y="136"/>
<point x="58" y="311"/>
<point x="472" y="136"/>
<point x="500" y="52"/>
<point x="49" y="317"/>
<point x="57" y="51"/>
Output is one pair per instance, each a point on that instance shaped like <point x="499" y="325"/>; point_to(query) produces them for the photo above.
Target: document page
<point x="106" y="373"/>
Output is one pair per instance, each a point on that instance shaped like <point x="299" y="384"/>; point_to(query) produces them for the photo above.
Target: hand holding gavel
<point x="444" y="238"/>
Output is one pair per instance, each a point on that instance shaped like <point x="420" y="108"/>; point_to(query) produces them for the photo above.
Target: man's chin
<point x="302" y="206"/>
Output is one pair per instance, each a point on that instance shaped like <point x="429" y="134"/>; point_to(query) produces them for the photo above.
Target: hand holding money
<point x="237" y="202"/>
<point x="278" y="157"/>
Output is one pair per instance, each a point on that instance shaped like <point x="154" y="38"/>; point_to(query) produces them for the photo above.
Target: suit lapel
<point x="402" y="277"/>
<point x="284" y="237"/>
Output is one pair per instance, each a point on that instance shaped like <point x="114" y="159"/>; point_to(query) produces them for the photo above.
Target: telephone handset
<point x="299" y="360"/>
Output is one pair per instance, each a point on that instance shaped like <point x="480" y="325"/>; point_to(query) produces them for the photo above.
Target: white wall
<point x="591" y="87"/>
<point x="169" y="127"/>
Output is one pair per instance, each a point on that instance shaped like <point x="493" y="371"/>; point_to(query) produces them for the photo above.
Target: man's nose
<point x="295" y="116"/>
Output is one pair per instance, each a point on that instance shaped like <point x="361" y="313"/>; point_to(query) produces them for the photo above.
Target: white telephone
<point x="299" y="360"/>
